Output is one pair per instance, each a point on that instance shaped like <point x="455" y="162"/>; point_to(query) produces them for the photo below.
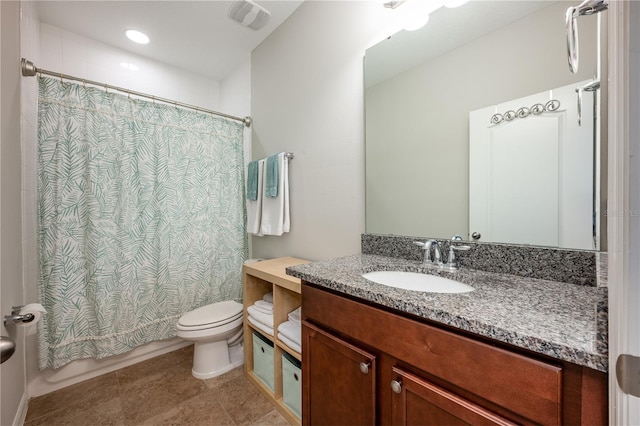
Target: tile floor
<point x="159" y="391"/>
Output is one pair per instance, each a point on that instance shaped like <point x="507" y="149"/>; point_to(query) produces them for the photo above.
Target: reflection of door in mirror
<point x="530" y="178"/>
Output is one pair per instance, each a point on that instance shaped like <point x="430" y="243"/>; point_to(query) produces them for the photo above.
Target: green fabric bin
<point x="263" y="359"/>
<point x="292" y="384"/>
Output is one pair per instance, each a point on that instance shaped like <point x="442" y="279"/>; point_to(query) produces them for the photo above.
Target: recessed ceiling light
<point x="137" y="36"/>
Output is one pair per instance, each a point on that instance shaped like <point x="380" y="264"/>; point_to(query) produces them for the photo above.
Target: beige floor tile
<point x="160" y="391"/>
<point x="274" y="418"/>
<point x="99" y="413"/>
<point x="244" y="403"/>
<point x="226" y="377"/>
<point x="81" y="395"/>
<point x="151" y="369"/>
<point x="201" y="410"/>
<point x="143" y="399"/>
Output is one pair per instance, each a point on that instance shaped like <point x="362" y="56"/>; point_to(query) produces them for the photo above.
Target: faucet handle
<point x="453" y="265"/>
<point x="456" y="237"/>
<point x="421" y="244"/>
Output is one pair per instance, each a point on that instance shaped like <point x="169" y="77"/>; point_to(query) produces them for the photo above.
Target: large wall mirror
<point x="443" y="154"/>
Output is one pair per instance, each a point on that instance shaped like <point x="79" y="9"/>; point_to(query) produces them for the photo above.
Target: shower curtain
<point x="141" y="217"/>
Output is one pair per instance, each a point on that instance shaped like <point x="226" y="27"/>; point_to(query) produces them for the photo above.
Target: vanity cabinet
<point x="259" y="279"/>
<point x="367" y="365"/>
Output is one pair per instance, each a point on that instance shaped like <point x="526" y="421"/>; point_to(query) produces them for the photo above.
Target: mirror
<point x="422" y="86"/>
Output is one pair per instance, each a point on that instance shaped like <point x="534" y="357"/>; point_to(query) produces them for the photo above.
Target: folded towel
<point x="264" y="306"/>
<point x="260" y="326"/>
<point x="254" y="206"/>
<point x="265" y="319"/>
<point x="295" y="316"/>
<point x="291" y="330"/>
<point x="275" y="212"/>
<point x="271" y="183"/>
<point x="263" y="310"/>
<point x="293" y="345"/>
<point x="268" y="297"/>
<point x="252" y="181"/>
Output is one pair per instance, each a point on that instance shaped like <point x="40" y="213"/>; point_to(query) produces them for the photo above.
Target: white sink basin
<point x="417" y="282"/>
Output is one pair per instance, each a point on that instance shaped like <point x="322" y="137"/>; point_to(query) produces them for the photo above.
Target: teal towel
<point x="271" y="189"/>
<point x="252" y="181"/>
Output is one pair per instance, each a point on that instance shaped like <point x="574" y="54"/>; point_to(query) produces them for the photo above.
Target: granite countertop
<point x="561" y="320"/>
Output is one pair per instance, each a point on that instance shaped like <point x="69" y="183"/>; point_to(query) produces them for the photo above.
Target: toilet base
<point x="211" y="359"/>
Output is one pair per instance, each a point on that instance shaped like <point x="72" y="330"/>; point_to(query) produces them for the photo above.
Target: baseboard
<point x="21" y="413"/>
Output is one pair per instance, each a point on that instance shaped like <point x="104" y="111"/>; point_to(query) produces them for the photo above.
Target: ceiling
<point x="196" y="36"/>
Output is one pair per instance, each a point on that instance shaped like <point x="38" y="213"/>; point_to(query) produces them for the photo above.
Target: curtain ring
<point x="60" y="74"/>
<point x="84" y="83"/>
<point x="106" y="88"/>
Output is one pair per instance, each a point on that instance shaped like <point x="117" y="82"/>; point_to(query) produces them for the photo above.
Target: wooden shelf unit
<point x="260" y="278"/>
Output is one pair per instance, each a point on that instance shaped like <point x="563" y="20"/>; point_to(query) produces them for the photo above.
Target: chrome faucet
<point x="436" y="260"/>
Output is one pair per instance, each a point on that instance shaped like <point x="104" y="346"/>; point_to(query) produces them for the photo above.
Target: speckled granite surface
<point x="563" y="265"/>
<point x="560" y="320"/>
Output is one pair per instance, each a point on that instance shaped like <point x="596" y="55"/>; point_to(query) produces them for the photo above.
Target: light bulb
<point x="415" y="14"/>
<point x="137" y="36"/>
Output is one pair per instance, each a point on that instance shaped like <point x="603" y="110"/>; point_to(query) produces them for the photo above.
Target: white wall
<point x="12" y="371"/>
<point x="69" y="53"/>
<point x="307" y="98"/>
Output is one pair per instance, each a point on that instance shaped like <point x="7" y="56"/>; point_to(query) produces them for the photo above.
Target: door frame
<point x="623" y="247"/>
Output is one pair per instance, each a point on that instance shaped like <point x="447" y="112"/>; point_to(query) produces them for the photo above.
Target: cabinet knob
<point x="396" y="386"/>
<point x="364" y="367"/>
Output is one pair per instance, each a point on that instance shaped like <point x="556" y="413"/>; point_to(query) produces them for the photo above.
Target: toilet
<point x="216" y="330"/>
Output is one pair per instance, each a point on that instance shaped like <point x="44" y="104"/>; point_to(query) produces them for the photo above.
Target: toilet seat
<point x="210" y="316"/>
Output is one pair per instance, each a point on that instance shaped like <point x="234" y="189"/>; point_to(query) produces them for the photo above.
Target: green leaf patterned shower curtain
<point x="141" y="218"/>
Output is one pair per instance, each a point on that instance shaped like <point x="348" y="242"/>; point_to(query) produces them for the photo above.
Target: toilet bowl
<point x="216" y="331"/>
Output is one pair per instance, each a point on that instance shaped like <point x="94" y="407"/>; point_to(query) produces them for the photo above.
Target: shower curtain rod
<point x="30" y="70"/>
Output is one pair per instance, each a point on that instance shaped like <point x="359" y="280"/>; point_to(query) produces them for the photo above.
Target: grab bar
<point x="587" y="7"/>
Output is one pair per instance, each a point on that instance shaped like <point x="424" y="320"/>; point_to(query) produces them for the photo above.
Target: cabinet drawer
<point x="528" y="387"/>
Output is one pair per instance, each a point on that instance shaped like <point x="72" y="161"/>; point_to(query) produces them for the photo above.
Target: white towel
<point x="291" y="331"/>
<point x="275" y="210"/>
<point x="268" y="297"/>
<point x="265" y="319"/>
<point x="263" y="310"/>
<point x="254" y="207"/>
<point x="264" y="306"/>
<point x="261" y="326"/>
<point x="293" y="345"/>
<point x="295" y="316"/>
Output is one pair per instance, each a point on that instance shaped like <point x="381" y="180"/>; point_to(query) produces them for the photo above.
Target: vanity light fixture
<point x="455" y="3"/>
<point x="137" y="36"/>
<point x="414" y="14"/>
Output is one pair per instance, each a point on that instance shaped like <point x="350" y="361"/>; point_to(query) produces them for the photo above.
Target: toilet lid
<point x="221" y="312"/>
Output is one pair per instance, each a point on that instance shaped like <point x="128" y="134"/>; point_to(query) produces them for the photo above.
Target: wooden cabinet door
<point x="338" y="380"/>
<point x="416" y="401"/>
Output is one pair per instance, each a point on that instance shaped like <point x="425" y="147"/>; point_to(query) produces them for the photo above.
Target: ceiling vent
<point x="249" y="14"/>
